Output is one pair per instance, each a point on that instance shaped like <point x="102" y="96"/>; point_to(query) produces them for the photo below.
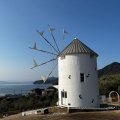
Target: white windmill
<point x="78" y="80"/>
<point x="77" y="73"/>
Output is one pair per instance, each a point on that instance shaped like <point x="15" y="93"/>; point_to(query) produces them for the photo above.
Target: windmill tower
<point x="78" y="80"/>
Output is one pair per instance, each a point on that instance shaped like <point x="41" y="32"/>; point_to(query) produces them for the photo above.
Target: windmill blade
<point x="43" y="63"/>
<point x="47" y="61"/>
<point x="51" y="29"/>
<point x="41" y="33"/>
<point x="52" y="70"/>
<point x="43" y="51"/>
<point x="35" y="63"/>
<point x="43" y="78"/>
<point x="64" y="31"/>
<point x="48" y="42"/>
<point x="47" y="52"/>
<point x="35" y="47"/>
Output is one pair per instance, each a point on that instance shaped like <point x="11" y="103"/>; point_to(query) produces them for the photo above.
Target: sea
<point x="22" y="88"/>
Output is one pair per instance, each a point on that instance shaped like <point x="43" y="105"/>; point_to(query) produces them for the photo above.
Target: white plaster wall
<point x="74" y="65"/>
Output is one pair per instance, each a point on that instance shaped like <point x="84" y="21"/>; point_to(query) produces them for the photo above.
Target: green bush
<point x="109" y="83"/>
<point x="24" y="103"/>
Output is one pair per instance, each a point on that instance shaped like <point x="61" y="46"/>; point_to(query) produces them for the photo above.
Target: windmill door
<point x="63" y="97"/>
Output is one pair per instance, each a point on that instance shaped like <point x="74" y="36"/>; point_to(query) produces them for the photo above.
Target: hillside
<point x="113" y="68"/>
<point x="109" y="78"/>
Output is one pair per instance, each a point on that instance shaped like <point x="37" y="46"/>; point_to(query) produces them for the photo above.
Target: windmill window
<point x="64" y="94"/>
<point x="82" y="77"/>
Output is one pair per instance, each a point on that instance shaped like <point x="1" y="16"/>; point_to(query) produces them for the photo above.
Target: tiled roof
<point x="77" y="47"/>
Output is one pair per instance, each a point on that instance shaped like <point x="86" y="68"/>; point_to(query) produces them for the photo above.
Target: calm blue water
<point x="20" y="88"/>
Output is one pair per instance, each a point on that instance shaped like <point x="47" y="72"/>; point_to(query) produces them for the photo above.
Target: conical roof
<point x="77" y="47"/>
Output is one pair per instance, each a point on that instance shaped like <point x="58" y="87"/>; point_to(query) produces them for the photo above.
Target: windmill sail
<point x="35" y="63"/>
<point x="65" y="32"/>
<point x="51" y="29"/>
<point x="35" y="47"/>
<point x="43" y="78"/>
<point x="41" y="33"/>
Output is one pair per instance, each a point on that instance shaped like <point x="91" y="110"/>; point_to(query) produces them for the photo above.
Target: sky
<point x="95" y="22"/>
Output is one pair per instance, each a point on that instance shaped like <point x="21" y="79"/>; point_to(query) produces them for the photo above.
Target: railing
<point x="35" y="112"/>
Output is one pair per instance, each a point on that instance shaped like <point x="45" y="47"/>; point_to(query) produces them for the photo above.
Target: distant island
<point x="50" y="80"/>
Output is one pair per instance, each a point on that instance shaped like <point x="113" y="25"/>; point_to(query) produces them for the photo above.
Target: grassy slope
<point x="104" y="115"/>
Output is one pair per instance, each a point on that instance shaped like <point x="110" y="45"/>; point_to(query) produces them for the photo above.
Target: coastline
<point x="23" y="89"/>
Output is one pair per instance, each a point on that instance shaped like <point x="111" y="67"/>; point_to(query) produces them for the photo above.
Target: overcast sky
<point x="95" y="22"/>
